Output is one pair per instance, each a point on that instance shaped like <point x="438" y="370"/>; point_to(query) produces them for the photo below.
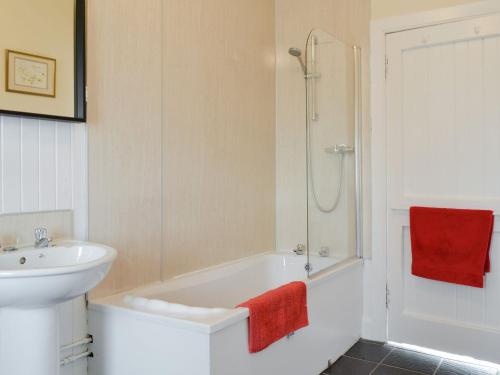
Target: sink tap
<point x="41" y="239"/>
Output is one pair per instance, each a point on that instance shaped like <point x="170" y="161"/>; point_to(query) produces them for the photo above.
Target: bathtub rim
<point x="232" y="316"/>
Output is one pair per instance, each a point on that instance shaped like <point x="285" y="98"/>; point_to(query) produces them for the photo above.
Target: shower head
<point x="296" y="52"/>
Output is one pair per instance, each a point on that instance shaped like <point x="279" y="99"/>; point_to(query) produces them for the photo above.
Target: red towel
<point x="451" y="245"/>
<point x="276" y="314"/>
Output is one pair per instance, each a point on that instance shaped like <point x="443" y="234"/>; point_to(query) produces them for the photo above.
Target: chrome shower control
<point x="340" y="149"/>
<point x="299" y="250"/>
<point x="324" y="251"/>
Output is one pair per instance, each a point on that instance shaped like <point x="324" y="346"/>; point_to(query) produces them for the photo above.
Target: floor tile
<point x="414" y="361"/>
<point x="458" y="368"/>
<point x="374" y="342"/>
<point x="386" y="370"/>
<point x="350" y="366"/>
<point x="374" y="352"/>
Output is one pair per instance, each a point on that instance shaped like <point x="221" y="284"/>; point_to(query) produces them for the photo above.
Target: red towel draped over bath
<point x="276" y="314"/>
<point x="451" y="245"/>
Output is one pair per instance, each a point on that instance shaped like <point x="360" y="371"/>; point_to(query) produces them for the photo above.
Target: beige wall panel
<point x="219" y="138"/>
<point x="390" y="8"/>
<point x="124" y="118"/>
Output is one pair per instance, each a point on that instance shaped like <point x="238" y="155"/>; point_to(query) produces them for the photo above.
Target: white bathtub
<point x="138" y="332"/>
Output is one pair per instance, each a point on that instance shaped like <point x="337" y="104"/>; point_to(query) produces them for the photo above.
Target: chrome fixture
<point x="340" y="149"/>
<point x="296" y="52"/>
<point x="66" y="361"/>
<point x="41" y="239"/>
<point x="357" y="157"/>
<point x="324" y="251"/>
<point x="72" y="358"/>
<point x="299" y="250"/>
<point x="313" y="75"/>
<point x="89" y="339"/>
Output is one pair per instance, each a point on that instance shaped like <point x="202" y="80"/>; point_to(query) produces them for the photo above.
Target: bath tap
<point x="41" y="239"/>
<point x="299" y="250"/>
<point x="324" y="251"/>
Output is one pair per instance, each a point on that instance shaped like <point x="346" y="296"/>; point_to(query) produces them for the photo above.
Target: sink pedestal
<point x="33" y="281"/>
<point x="29" y="341"/>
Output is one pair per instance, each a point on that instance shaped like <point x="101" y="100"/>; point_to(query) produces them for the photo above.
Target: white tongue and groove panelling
<point x="43" y="167"/>
<point x="446" y="146"/>
<point x="443" y="137"/>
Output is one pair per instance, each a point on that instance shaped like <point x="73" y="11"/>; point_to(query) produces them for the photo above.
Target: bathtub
<point x="188" y="324"/>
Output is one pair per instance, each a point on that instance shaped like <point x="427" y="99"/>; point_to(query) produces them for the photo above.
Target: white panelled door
<point x="443" y="121"/>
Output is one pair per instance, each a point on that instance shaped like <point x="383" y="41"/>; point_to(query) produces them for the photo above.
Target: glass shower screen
<point x="332" y="114"/>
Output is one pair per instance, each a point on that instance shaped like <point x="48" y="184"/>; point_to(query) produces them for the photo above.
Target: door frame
<point x="375" y="271"/>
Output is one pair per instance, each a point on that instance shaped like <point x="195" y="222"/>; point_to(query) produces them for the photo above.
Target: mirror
<point x="42" y="73"/>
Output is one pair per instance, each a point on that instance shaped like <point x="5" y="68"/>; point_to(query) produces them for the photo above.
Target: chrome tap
<point x="41" y="239"/>
<point x="299" y="250"/>
<point x="324" y="251"/>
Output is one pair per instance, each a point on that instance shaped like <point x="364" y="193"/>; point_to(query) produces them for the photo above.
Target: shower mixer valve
<point x="324" y="251"/>
<point x="340" y="149"/>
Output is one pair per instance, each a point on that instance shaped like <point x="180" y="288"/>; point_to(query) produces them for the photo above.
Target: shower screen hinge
<point x="387" y="294"/>
<point x="386" y="67"/>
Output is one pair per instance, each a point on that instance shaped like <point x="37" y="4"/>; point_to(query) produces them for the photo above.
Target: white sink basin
<point x="32" y="283"/>
<point x="40" y="277"/>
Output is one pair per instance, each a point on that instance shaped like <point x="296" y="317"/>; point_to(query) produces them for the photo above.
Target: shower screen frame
<point x="311" y="111"/>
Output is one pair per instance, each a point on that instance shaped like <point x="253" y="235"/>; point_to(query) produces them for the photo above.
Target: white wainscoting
<point x="441" y="315"/>
<point x="43" y="168"/>
<point x="456" y="304"/>
<point x="443" y="148"/>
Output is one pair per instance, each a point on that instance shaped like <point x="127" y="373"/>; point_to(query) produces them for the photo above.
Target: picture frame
<point x="78" y="95"/>
<point x="30" y="74"/>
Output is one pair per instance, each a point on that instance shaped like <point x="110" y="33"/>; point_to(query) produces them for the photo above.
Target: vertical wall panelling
<point x="30" y="166"/>
<point x="64" y="157"/>
<point x="219" y="132"/>
<point x="124" y="118"/>
<point x="47" y="161"/>
<point x="11" y="164"/>
<point x="80" y="181"/>
<point x="443" y="150"/>
<point x="43" y="167"/>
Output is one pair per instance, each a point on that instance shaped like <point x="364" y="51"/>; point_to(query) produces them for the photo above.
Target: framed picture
<point x="30" y="74"/>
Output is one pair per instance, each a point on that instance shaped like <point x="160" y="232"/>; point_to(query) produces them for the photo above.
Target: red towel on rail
<point x="276" y="314"/>
<point x="451" y="245"/>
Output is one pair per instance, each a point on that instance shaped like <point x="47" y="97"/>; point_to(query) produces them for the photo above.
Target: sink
<point x="33" y="281"/>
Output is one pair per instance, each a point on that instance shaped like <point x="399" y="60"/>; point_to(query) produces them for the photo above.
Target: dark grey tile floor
<point x="369" y="357"/>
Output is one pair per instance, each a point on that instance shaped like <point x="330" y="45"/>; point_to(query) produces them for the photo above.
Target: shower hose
<point x="340" y="157"/>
